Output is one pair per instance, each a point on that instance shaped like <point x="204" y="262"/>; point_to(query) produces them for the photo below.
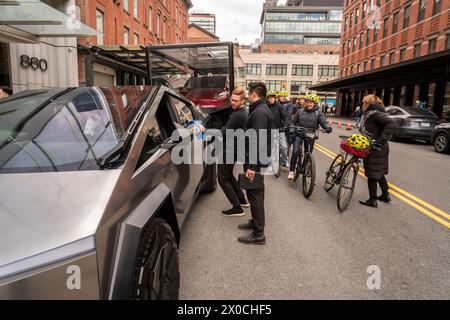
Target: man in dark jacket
<point x="310" y="117"/>
<point x="280" y="122"/>
<point x="227" y="180"/>
<point x="261" y="120"/>
<point x="376" y="125"/>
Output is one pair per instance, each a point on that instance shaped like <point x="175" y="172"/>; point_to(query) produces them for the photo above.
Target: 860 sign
<point x="33" y="63"/>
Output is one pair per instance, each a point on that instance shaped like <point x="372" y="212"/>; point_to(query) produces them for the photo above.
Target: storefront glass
<point x="4" y="66"/>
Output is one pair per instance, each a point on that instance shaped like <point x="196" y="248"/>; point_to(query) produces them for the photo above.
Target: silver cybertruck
<point x="91" y="204"/>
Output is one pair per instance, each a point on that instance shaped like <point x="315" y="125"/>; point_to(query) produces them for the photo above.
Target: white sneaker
<point x="291" y="175"/>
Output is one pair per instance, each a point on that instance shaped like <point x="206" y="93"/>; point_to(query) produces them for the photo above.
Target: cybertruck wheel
<point x="156" y="273"/>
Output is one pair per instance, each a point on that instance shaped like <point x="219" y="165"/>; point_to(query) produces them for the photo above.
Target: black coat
<point x="280" y="116"/>
<point x="237" y="120"/>
<point x="260" y="118"/>
<point x="378" y="126"/>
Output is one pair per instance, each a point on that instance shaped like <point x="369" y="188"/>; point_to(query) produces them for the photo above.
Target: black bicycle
<point x="306" y="164"/>
<point x="343" y="172"/>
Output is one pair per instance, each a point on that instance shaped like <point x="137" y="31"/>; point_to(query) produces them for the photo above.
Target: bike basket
<point x="358" y="153"/>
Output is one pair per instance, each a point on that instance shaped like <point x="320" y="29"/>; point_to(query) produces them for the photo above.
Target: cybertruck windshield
<point x="65" y="129"/>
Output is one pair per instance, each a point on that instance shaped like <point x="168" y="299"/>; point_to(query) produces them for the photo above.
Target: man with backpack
<point x="310" y="117"/>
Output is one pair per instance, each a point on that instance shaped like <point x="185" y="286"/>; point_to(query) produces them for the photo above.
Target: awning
<point x="42" y="20"/>
<point x="431" y="67"/>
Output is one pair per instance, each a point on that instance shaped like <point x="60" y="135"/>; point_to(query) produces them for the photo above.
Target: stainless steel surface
<point x="43" y="211"/>
<point x="51" y="282"/>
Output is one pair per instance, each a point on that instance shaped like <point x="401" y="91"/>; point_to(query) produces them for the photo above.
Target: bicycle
<point x="306" y="164"/>
<point x="340" y="172"/>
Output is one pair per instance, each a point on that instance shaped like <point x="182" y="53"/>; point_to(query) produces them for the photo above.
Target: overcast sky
<point x="234" y="18"/>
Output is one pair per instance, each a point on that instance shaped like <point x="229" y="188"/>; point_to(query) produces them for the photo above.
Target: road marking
<point x="403" y="195"/>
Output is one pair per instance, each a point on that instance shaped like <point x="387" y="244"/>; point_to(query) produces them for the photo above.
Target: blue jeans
<point x="296" y="148"/>
<point x="283" y="148"/>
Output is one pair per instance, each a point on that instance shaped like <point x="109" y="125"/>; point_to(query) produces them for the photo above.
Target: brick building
<point x="197" y="34"/>
<point x="129" y="23"/>
<point x="397" y="49"/>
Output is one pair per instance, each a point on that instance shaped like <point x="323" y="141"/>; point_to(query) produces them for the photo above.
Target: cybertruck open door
<point x="205" y="73"/>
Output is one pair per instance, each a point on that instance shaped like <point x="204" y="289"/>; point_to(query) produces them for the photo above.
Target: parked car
<point x="91" y="205"/>
<point x="441" y="138"/>
<point x="412" y="123"/>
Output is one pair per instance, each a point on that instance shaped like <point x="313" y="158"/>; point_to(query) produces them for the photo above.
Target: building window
<point x="343" y="49"/>
<point x="126" y="5"/>
<point x="417" y="50"/>
<point x="100" y="26"/>
<point x="364" y="9"/>
<point x="365" y="66"/>
<point x="447" y="41"/>
<point x="348" y="47"/>
<point x="304" y="70"/>
<point x="274" y="85"/>
<point x="135" y="8"/>
<point x="422" y="9"/>
<point x="392" y="58"/>
<point x="432" y="45"/>
<point x="253" y="69"/>
<point x="345" y="23"/>
<point x="406" y="17"/>
<point x="437" y="7"/>
<point x="402" y="54"/>
<point x="276" y="69"/>
<point x="372" y="64"/>
<point x="126" y="36"/>
<point x="356" y="15"/>
<point x="328" y="71"/>
<point x="385" y="27"/>
<point x="358" y="67"/>
<point x="382" y="58"/>
<point x="395" y="23"/>
<point x="361" y="40"/>
<point x="346" y="71"/>
<point x="150" y="19"/>
<point x="351" y="20"/>
<point x="136" y="39"/>
<point x="354" y="44"/>
<point x="158" y="25"/>
<point x="368" y="37"/>
<point x="298" y="86"/>
<point x="375" y="34"/>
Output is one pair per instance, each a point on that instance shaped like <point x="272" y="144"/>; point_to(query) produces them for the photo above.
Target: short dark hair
<point x="259" y="88"/>
<point x="7" y="90"/>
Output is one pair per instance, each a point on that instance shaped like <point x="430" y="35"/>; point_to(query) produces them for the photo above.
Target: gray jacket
<point x="310" y="119"/>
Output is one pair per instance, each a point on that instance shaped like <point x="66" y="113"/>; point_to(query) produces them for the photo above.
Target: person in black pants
<point x="227" y="180"/>
<point x="260" y="118"/>
<point x="379" y="127"/>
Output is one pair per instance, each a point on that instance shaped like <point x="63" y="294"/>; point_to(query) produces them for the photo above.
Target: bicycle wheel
<point x="309" y="176"/>
<point x="346" y="186"/>
<point x="333" y="172"/>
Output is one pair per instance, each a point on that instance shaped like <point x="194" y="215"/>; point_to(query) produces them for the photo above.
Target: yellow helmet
<point x="313" y="97"/>
<point x="358" y="142"/>
<point x="301" y="97"/>
<point x="271" y="93"/>
<point x="283" y="94"/>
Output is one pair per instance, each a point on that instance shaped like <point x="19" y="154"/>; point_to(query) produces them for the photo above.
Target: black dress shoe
<point x="234" y="212"/>
<point x="253" y="238"/>
<point x="370" y="203"/>
<point x="247" y="226"/>
<point x="385" y="198"/>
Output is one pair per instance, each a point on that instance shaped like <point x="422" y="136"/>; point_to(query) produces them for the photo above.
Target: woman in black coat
<point x="376" y="125"/>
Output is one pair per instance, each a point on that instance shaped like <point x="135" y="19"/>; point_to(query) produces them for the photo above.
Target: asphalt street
<point x="315" y="252"/>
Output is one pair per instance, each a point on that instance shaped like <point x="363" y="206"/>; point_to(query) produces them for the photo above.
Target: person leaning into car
<point x="227" y="180"/>
<point x="260" y="119"/>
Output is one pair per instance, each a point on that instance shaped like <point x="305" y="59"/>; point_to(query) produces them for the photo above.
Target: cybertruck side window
<point x="152" y="143"/>
<point x="183" y="111"/>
